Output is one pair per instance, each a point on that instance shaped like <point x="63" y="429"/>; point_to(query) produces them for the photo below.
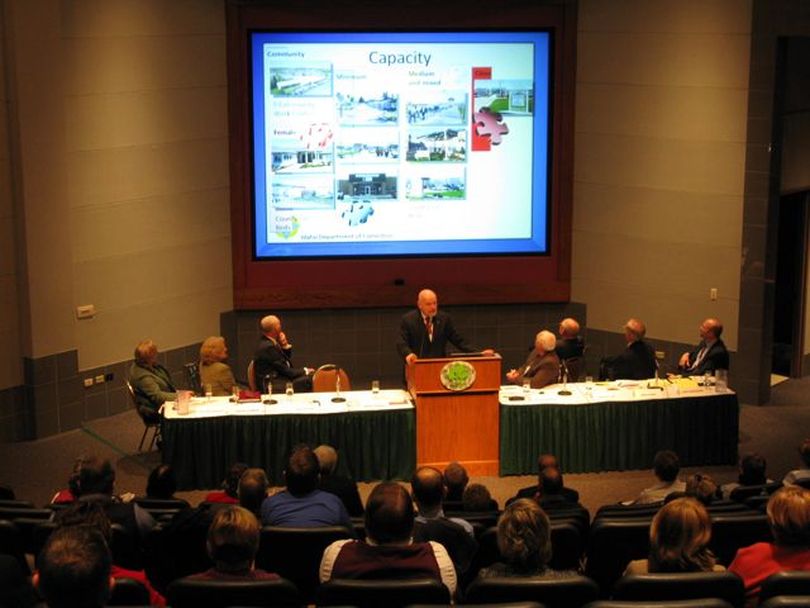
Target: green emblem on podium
<point x="457" y="376"/>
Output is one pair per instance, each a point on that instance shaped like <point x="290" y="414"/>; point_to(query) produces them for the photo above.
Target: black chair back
<point x="193" y="377"/>
<point x="10" y="503"/>
<point x="11" y="543"/>
<point x="295" y="553"/>
<point x="681" y="586"/>
<point x="732" y="531"/>
<point x="785" y="583"/>
<point x="563" y="592"/>
<point x="375" y="593"/>
<point x="190" y="593"/>
<point x="612" y="544"/>
<point x="129" y="592"/>
<point x="706" y="602"/>
<point x="567" y="544"/>
<point x="178" y="548"/>
<point x="6" y="493"/>
<point x="178" y="504"/>
<point x="740" y="493"/>
<point x="628" y="511"/>
<point x="787" y="601"/>
<point x="39" y="536"/>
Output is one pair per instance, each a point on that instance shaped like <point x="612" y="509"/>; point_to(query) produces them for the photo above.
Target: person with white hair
<point x="636" y="361"/>
<point x="542" y="367"/>
<point x="272" y="360"/>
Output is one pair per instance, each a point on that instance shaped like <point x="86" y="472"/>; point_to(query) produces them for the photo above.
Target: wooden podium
<point x="458" y="425"/>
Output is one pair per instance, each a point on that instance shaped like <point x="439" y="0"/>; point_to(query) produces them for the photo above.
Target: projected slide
<point x="382" y="144"/>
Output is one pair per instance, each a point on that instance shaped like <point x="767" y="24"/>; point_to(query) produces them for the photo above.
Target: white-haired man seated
<point x="542" y="367"/>
<point x="273" y="359"/>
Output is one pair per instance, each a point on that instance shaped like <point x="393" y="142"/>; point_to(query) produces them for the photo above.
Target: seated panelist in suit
<point x="542" y="367"/>
<point x="570" y="344"/>
<point x="151" y="381"/>
<point x="426" y="332"/>
<point x="709" y="355"/>
<point x="273" y="359"/>
<point x="637" y="361"/>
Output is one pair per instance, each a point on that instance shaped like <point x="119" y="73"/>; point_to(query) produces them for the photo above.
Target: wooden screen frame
<point x="394" y="281"/>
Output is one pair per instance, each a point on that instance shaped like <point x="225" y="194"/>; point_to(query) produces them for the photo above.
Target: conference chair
<point x="251" y="375"/>
<point x="295" y="553"/>
<point x="785" y="584"/>
<point x="681" y="586"/>
<point x="564" y="592"/>
<point x="149" y="422"/>
<point x="381" y="592"/>
<point x="178" y="548"/>
<point x="740" y="493"/>
<point x="128" y="592"/>
<point x="324" y="380"/>
<point x="787" y="601"/>
<point x="189" y="593"/>
<point x="26" y="520"/>
<point x="706" y="602"/>
<point x="193" y="377"/>
<point x="732" y="531"/>
<point x="11" y="543"/>
<point x="612" y="544"/>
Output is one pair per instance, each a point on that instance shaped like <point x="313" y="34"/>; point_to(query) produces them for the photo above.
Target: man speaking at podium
<point x="425" y="332"/>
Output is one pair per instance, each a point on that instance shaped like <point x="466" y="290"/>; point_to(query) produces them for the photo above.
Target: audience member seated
<point x="709" y="355"/>
<point x="273" y="360"/>
<point x="229" y="494"/>
<point x="252" y="490"/>
<point x="802" y="474"/>
<point x="341" y="486"/>
<point x="233" y="540"/>
<point x="455" y="480"/>
<point x="96" y="483"/>
<point x="457" y="535"/>
<point x="544" y="461"/>
<point x="570" y="344"/>
<point x="751" y="473"/>
<point x="637" y="361"/>
<point x="302" y="504"/>
<point x="679" y="540"/>
<point x="524" y="542"/>
<point x="214" y="372"/>
<point x="69" y="494"/>
<point x="789" y="519"/>
<point x="92" y="515"/>
<point x="477" y="499"/>
<point x="389" y="550"/>
<point x="703" y="488"/>
<point x="151" y="381"/>
<point x="73" y="569"/>
<point x="162" y="483"/>
<point x="666" y="467"/>
<point x="542" y="366"/>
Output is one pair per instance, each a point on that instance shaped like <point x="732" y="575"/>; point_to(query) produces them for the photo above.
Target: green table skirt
<point x="616" y="436"/>
<point x="371" y="445"/>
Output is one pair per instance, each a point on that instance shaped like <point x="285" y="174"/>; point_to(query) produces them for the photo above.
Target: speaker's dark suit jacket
<point x="414" y="339"/>
<point x="636" y="362"/>
<point x="716" y="358"/>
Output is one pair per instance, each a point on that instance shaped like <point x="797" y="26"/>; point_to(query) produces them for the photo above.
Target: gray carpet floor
<point x="38" y="469"/>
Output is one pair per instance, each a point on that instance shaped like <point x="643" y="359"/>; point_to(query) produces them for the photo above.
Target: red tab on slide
<point x="479" y="142"/>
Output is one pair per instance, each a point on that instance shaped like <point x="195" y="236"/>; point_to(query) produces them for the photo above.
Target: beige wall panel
<point x="796" y="152"/>
<point x="5" y="152"/>
<point x="106" y="18"/>
<point x="136" y="226"/>
<point x="685" y="218"/>
<point x="712" y="60"/>
<point x="146" y="117"/>
<point x="8" y="253"/>
<point x="109" y="65"/>
<point x="657" y="266"/>
<point x="103" y="176"/>
<point x="705" y="16"/>
<point x="698" y="113"/>
<point x="172" y="321"/>
<point x="9" y="318"/>
<point x="667" y="318"/>
<point x="6" y="200"/>
<point x="692" y="166"/>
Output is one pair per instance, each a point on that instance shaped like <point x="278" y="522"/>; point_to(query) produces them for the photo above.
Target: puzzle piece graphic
<point x="358" y="213"/>
<point x="490" y="123"/>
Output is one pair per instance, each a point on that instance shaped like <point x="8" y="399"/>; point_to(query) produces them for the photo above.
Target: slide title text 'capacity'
<point x="414" y="58"/>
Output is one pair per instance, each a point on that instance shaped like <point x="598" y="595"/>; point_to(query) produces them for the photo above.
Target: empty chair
<point x="787" y="601"/>
<point x="681" y="586"/>
<point x="705" y="602"/>
<point x="177" y="549"/>
<point x="627" y="511"/>
<point x="564" y="592"/>
<point x="731" y="531"/>
<point x="190" y="593"/>
<point x="251" y="376"/>
<point x="567" y="546"/>
<point x="193" y="377"/>
<point x="128" y="592"/>
<point x="10" y="503"/>
<point x="162" y="508"/>
<point x="150" y="421"/>
<point x="785" y="583"/>
<point x="11" y="543"/>
<point x="740" y="493"/>
<point x="324" y="380"/>
<point x="375" y="593"/>
<point x="612" y="544"/>
<point x="295" y="553"/>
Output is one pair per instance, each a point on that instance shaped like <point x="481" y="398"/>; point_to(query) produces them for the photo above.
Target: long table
<point x="617" y="426"/>
<point x="373" y="433"/>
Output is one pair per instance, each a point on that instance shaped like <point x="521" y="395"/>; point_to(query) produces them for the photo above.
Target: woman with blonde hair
<point x="679" y="540"/>
<point x="524" y="541"/>
<point x="213" y="369"/>
<point x="789" y="519"/>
